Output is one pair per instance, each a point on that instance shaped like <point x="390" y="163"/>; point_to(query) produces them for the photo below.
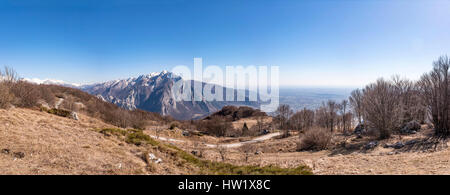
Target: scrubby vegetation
<point x="139" y="138"/>
<point x="214" y="125"/>
<point x="58" y="112"/>
<point x="380" y="109"/>
<point x="16" y="92"/>
<point x="233" y="113"/>
<point x="314" y="139"/>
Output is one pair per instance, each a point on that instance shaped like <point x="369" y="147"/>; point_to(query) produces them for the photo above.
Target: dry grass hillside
<point x="34" y="142"/>
<point x="37" y="142"/>
<point x="421" y="154"/>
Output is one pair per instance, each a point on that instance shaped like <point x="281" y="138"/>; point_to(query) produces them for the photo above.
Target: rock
<point x="411" y="142"/>
<point x="195" y="152"/>
<point x="398" y="145"/>
<point x="258" y="152"/>
<point x="186" y="133"/>
<point x="19" y="154"/>
<point x="158" y="161"/>
<point x="74" y="116"/>
<point x="410" y="127"/>
<point x="5" y="151"/>
<point x="360" y="129"/>
<point x="390" y="153"/>
<point x="371" y="145"/>
<point x="151" y="156"/>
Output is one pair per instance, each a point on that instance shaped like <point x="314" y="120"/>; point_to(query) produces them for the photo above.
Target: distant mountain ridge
<point x="52" y="82"/>
<point x="153" y="92"/>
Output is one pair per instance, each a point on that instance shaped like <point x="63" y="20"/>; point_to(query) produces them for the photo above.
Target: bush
<point x="216" y="125"/>
<point x="5" y="96"/>
<point x="314" y="139"/>
<point x="173" y="125"/>
<point x="26" y="94"/>
<point x="58" y="112"/>
<point x="113" y="131"/>
<point x="137" y="137"/>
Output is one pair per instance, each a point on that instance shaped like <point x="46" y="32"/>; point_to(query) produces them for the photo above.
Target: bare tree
<point x="222" y="151"/>
<point x="302" y="119"/>
<point x="260" y="123"/>
<point x="9" y="75"/>
<point x="283" y="113"/>
<point x="247" y="150"/>
<point x="380" y="107"/>
<point x="343" y="111"/>
<point x="5" y="96"/>
<point x="411" y="106"/>
<point x="435" y="89"/>
<point x="7" y="78"/>
<point x="332" y="107"/>
<point x="321" y="117"/>
<point x="356" y="101"/>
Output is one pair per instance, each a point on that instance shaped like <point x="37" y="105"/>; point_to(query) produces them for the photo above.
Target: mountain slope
<point x="153" y="92"/>
<point x="34" y="142"/>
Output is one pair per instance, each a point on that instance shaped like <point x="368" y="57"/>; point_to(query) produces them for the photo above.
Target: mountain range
<point x="153" y="92"/>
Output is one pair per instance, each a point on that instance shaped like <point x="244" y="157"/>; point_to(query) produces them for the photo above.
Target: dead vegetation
<point x="18" y="93"/>
<point x="314" y="139"/>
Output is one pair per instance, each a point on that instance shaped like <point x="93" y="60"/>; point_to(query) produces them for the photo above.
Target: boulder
<point x="410" y="127"/>
<point x="5" y="151"/>
<point x="186" y="133"/>
<point x="371" y="145"/>
<point x="411" y="142"/>
<point x="19" y="154"/>
<point x="360" y="129"/>
<point x="398" y="145"/>
<point x="74" y="116"/>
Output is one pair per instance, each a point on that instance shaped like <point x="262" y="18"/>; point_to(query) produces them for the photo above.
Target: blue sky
<point x="315" y="43"/>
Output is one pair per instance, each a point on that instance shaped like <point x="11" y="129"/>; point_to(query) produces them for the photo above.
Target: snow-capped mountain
<point x="52" y="82"/>
<point x="153" y="92"/>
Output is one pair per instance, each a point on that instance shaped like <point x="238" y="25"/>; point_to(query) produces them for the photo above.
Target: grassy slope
<point x="53" y="144"/>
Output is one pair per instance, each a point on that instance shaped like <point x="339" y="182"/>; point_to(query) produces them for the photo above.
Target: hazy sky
<point x="315" y="43"/>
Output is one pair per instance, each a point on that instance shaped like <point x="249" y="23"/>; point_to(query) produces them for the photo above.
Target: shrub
<point x="137" y="137"/>
<point x="314" y="139"/>
<point x="5" y="96"/>
<point x="216" y="125"/>
<point x="173" y="126"/>
<point x="113" y="131"/>
<point x="58" y="112"/>
<point x="26" y="94"/>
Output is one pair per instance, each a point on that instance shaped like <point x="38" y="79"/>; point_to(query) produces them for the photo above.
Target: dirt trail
<point x="230" y="145"/>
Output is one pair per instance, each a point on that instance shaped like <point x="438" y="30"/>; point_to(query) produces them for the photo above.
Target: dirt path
<point x="231" y="145"/>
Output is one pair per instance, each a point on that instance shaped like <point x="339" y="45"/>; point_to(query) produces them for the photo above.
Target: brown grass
<point x="56" y="145"/>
